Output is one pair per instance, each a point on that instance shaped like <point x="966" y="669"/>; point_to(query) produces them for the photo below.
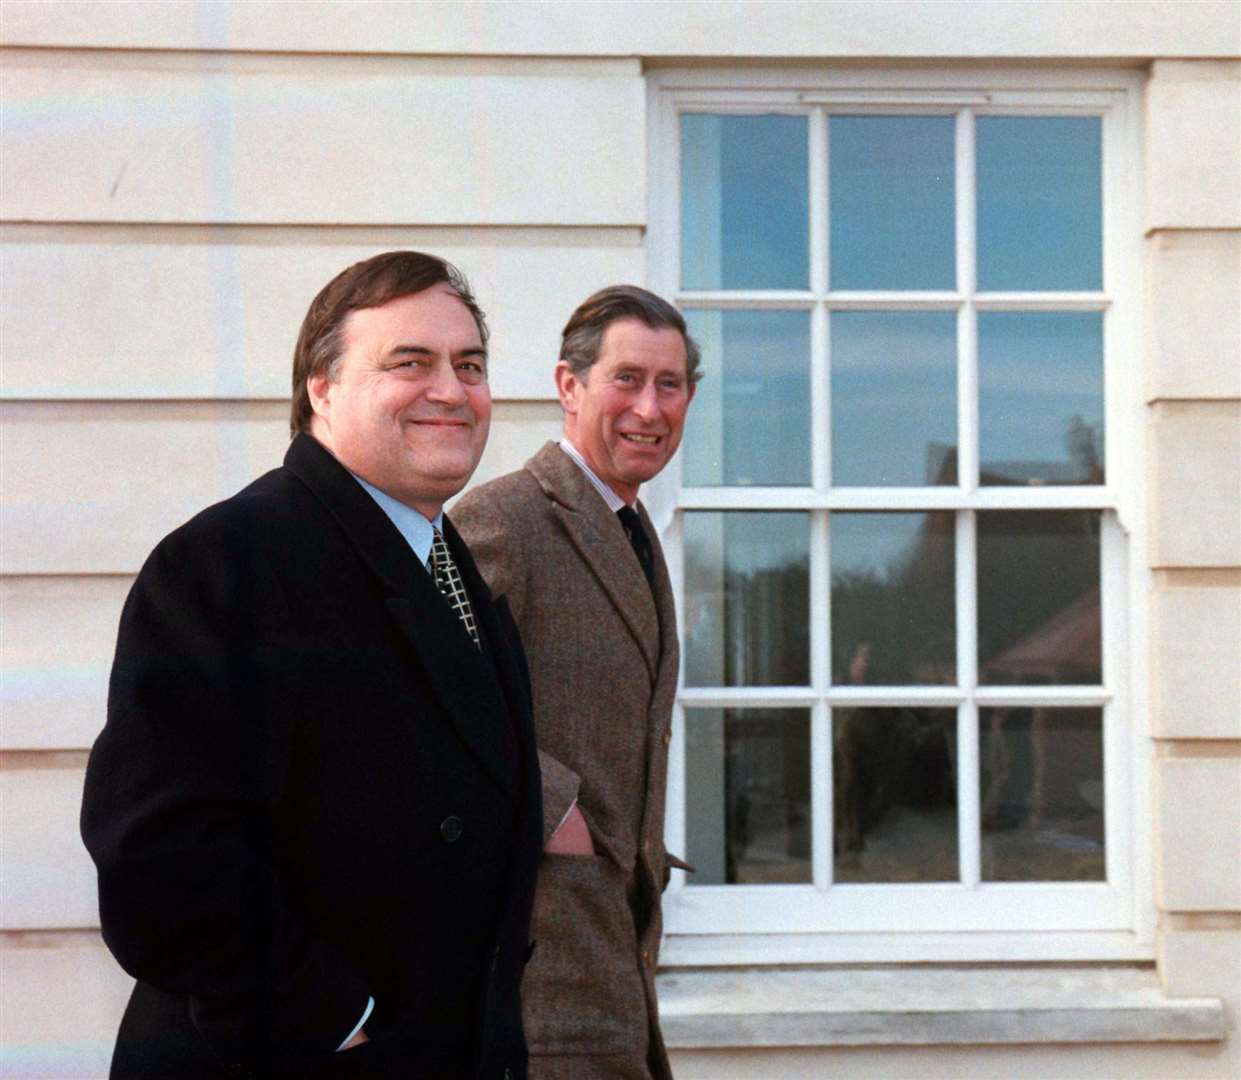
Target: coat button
<point x="648" y="958"/>
<point x="666" y="737"/>
<point x="451" y="829"/>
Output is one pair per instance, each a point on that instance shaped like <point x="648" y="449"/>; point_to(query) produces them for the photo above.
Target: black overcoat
<point x="312" y="789"/>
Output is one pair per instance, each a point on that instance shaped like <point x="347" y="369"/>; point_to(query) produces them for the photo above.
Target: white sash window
<point x="902" y="519"/>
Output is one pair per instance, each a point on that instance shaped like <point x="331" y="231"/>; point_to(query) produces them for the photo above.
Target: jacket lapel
<point x="461" y="677"/>
<point x="599" y="538"/>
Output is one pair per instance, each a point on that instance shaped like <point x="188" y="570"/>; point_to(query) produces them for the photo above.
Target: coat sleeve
<point x="177" y="810"/>
<point x="497" y="534"/>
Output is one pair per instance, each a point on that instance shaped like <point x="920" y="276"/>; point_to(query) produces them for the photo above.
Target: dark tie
<point x="638" y="539"/>
<point x="448" y="579"/>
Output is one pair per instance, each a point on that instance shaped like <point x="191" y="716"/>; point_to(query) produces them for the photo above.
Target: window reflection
<point x="747" y="603"/>
<point x="1040" y="404"/>
<point x="744" y="202"/>
<point x="894" y="795"/>
<point x="748" y="795"/>
<point x="893" y="598"/>
<point x="891" y="188"/>
<point x="1041" y="794"/>
<point x="894" y="398"/>
<point x="1040" y="202"/>
<point x="1038" y="597"/>
<point x="751" y="418"/>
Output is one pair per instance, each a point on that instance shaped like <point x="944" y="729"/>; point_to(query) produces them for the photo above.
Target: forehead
<point x="435" y="317"/>
<point x="631" y="343"/>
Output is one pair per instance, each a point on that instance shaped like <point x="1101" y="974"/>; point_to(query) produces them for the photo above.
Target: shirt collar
<point x="614" y="501"/>
<point x="416" y="529"/>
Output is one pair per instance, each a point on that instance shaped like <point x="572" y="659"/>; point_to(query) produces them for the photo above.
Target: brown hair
<point x="367" y="284"/>
<point x="583" y="334"/>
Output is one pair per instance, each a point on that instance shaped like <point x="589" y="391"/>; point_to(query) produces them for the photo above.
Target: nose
<point x="444" y="386"/>
<point x="646" y="405"/>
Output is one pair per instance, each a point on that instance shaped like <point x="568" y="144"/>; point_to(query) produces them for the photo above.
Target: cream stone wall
<point x="177" y="179"/>
<point x="1193" y="352"/>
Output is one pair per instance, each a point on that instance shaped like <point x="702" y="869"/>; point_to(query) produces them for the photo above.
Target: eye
<point x="471" y="371"/>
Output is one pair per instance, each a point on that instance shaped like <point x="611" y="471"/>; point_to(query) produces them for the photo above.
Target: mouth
<point x="641" y="440"/>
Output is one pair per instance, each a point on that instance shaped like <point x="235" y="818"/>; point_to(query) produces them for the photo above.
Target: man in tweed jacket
<point x="589" y="590"/>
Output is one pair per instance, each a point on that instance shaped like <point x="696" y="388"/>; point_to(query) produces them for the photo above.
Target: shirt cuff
<point x="370" y="1005"/>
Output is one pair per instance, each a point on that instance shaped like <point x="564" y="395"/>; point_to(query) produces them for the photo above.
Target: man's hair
<point x="367" y="284"/>
<point x="583" y="334"/>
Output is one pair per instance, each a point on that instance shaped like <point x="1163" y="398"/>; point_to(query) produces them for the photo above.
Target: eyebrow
<point x="422" y="350"/>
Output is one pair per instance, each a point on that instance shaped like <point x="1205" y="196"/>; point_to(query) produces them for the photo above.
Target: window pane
<point x="744" y="202"/>
<point x="1040" y="404"/>
<point x="894" y="398"/>
<point x="1038" y="597"/>
<point x="892" y="202"/>
<point x="1040" y="194"/>
<point x="893" y="598"/>
<point x="747" y="782"/>
<point x="747" y="599"/>
<point x="1041" y="794"/>
<point x="894" y="795"/>
<point x="751" y="412"/>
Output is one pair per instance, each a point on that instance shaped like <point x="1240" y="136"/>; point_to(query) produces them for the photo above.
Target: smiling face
<point x="408" y="407"/>
<point x="625" y="414"/>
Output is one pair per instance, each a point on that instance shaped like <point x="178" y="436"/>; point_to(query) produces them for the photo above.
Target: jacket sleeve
<point x="177" y="809"/>
<point x="499" y="550"/>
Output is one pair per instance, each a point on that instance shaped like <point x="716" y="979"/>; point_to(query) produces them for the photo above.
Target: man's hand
<point x="572" y="836"/>
<point x="357" y="1040"/>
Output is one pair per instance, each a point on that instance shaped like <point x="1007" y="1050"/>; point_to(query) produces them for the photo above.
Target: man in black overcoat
<point x="315" y="807"/>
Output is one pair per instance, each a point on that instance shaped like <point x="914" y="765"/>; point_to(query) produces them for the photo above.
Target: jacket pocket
<point x="583" y="992"/>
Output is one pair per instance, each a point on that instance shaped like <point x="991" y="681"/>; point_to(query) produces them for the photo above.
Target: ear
<point x="568" y="386"/>
<point x="319" y="387"/>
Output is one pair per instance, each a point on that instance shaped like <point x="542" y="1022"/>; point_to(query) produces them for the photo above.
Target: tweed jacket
<point x="602" y="646"/>
<point x="313" y="788"/>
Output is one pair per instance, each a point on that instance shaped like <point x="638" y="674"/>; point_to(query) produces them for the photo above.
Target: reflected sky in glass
<point x="893" y="598"/>
<point x="891" y="194"/>
<point x="747" y="819"/>
<point x="1040" y="377"/>
<point x="1040" y="211"/>
<point x="894" y="398"/>
<point x="894" y="795"/>
<point x="744" y="202"/>
<point x="1041" y="794"/>
<point x="751" y="416"/>
<point x="747" y="602"/>
<point x="1038" y="597"/>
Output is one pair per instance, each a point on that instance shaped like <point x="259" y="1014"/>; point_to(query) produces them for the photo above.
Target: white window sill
<point x="721" y="1007"/>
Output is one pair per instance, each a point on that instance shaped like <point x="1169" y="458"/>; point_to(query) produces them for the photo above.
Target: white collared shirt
<point x="614" y="501"/>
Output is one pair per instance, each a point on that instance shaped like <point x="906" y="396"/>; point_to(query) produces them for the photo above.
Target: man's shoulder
<point x="518" y="492"/>
<point x="262" y="514"/>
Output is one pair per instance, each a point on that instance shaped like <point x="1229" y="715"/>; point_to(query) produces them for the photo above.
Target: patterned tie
<point x="449" y="582"/>
<point x="639" y="541"/>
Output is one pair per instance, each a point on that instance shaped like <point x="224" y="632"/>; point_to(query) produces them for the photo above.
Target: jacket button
<point x="666" y="737"/>
<point x="647" y="958"/>
<point x="451" y="829"/>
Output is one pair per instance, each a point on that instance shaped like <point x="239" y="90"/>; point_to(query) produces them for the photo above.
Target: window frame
<point x="1113" y="919"/>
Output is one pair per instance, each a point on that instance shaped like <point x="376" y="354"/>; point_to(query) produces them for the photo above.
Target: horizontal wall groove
<point x="302" y="234"/>
<point x="235" y="61"/>
<point x="1197" y="577"/>
<point x="27" y="760"/>
<point x="1198" y="748"/>
<point x="1199" y="920"/>
<point x="67" y="938"/>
